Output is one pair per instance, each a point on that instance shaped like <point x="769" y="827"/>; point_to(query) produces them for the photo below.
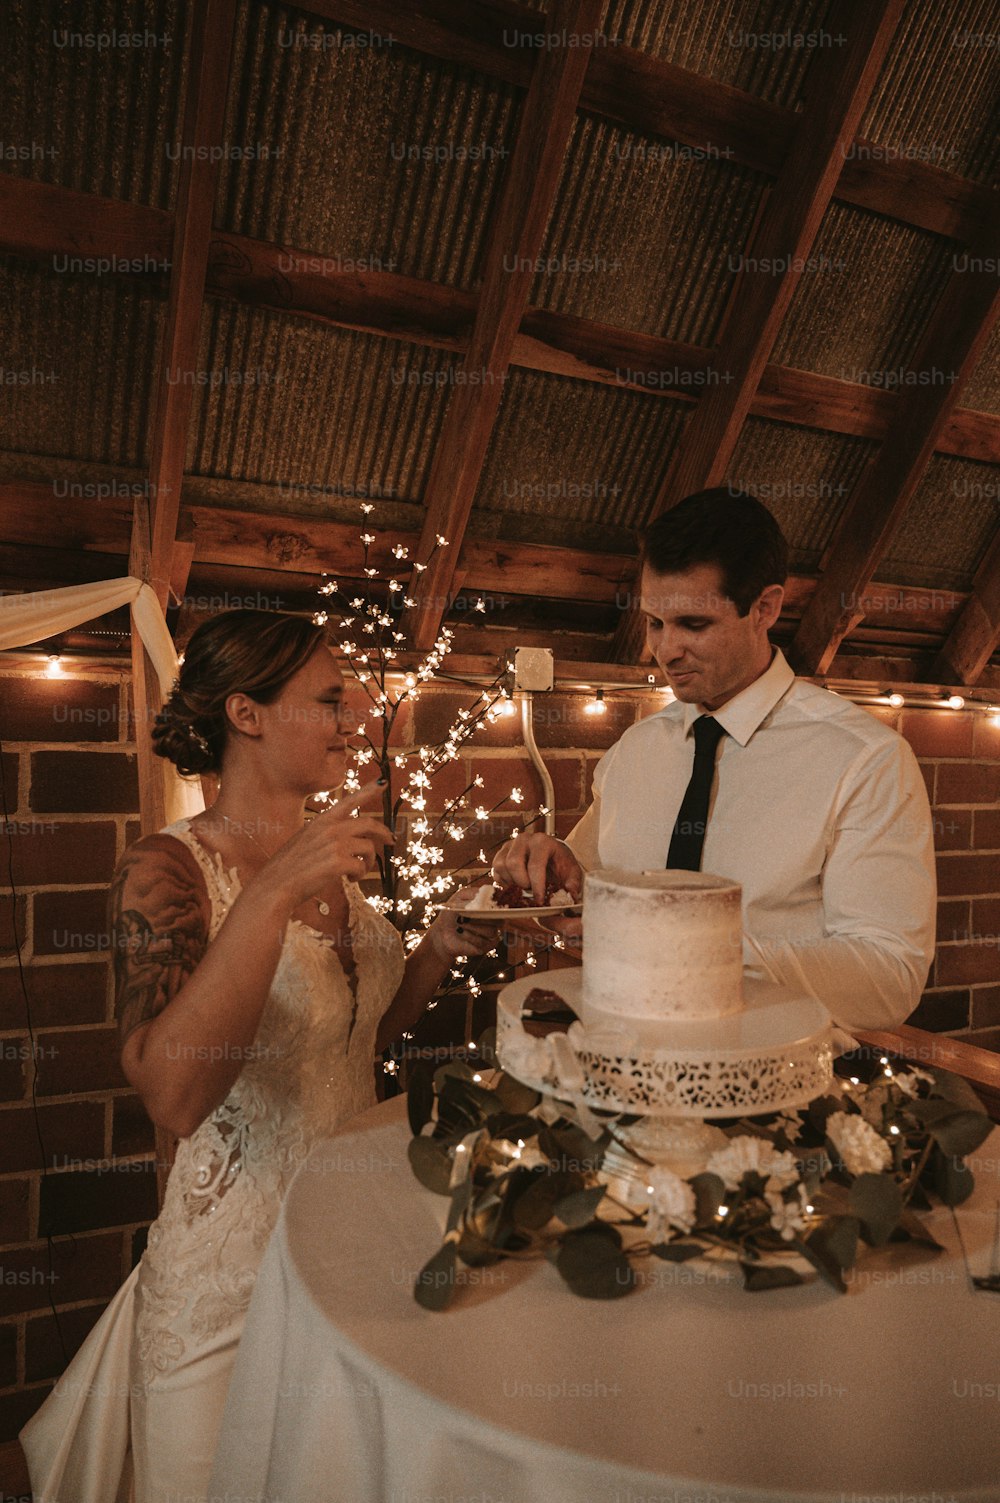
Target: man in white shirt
<point x="815" y="807"/>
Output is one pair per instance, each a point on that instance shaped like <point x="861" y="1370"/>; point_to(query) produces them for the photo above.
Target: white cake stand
<point x="774" y="1055"/>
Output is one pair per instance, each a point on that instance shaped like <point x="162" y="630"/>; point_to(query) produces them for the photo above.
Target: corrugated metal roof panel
<point x="643" y="235"/>
<point x="946" y="527"/>
<point x="574" y="453"/>
<point x="750" y="44"/>
<point x="803" y="476"/>
<point x="982" y="389"/>
<point x="887" y="275"/>
<point x="93" y="94"/>
<point x="301" y="407"/>
<point x="937" y="97"/>
<point x="84" y="349"/>
<point x="377" y="154"/>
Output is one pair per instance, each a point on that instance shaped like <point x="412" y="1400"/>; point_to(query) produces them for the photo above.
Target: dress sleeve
<point x="879" y="900"/>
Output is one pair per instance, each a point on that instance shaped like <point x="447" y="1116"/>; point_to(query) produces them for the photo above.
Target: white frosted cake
<point x="660" y="947"/>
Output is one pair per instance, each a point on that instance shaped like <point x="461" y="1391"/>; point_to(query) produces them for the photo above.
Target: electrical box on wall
<point x="534" y="669"/>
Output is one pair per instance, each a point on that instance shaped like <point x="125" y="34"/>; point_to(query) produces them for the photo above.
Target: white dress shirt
<point x="818" y="810"/>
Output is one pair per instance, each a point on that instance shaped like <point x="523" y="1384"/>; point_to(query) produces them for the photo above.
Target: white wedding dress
<point x="137" y="1412"/>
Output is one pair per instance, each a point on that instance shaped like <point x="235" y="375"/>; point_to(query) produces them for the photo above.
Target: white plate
<point x="561" y="910"/>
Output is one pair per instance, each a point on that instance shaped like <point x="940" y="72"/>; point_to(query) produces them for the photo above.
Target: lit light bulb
<point x="955" y="702"/>
<point x="897" y="701"/>
<point x="54" y="670"/>
<point x="994" y="713"/>
<point x="596" y="706"/>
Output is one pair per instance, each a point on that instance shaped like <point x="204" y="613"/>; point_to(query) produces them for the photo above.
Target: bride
<point x="255" y="986"/>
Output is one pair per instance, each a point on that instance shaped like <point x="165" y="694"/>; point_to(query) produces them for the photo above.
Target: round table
<point x="687" y="1391"/>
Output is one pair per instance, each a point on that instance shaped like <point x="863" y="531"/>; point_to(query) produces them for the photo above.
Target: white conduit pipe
<point x="528" y="733"/>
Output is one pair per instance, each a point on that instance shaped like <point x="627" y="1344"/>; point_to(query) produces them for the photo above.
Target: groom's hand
<point x="535" y="860"/>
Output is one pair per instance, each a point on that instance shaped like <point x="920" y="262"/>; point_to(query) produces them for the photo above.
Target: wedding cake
<point x="660" y="947"/>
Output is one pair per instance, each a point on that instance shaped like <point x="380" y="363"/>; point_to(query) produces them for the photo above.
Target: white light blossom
<point x="788" y="1216"/>
<point x="861" y="1148"/>
<point x="671" y="1202"/>
<point x="909" y="1081"/>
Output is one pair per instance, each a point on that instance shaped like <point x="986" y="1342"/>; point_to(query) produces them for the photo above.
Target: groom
<point x="815" y="807"/>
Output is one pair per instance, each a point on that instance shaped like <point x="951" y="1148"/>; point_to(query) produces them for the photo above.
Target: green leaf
<point x="460" y="1199"/>
<point x="533" y="1207"/>
<point x="960" y="1134"/>
<point x="486" y="1048"/>
<point x="877" y="1201"/>
<point x="431" y="1164"/>
<point x="832" y="1247"/>
<point x="569" y="1147"/>
<point x="435" y="1283"/>
<point x="455" y="1069"/>
<point x="594" y="1265"/>
<point x="709" y="1195"/>
<point x="580" y="1207"/>
<point x="934" y="1109"/>
<point x="420" y="1097"/>
<point x="953" y="1088"/>
<point x="677" y="1252"/>
<point x="911" y="1229"/>
<point x="758" y="1276"/>
<point x="513" y="1096"/>
<point x="951" y="1179"/>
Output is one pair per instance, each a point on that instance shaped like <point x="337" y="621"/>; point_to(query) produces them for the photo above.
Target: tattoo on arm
<point x="159" y="918"/>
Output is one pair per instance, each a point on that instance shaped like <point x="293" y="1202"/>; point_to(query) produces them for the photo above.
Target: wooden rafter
<point x="838" y="91"/>
<point x="654" y="97"/>
<point x="546" y="123"/>
<point x="974" y="637"/>
<point x="40" y="220"/>
<point x="947" y="352"/>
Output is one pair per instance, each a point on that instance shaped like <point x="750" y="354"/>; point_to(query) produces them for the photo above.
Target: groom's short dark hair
<point x="725" y="527"/>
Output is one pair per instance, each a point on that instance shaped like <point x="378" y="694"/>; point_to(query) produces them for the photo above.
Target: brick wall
<point x="69" y="775"/>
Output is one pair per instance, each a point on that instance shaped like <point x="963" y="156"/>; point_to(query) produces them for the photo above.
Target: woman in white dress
<point x="254" y="987"/>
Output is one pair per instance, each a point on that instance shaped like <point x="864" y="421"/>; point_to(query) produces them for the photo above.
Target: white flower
<point x="859" y="1145"/>
<point x="872" y="1103"/>
<point x="671" y="1202"/>
<point x="746" y="1155"/>
<point x="909" y="1081"/>
<point x="788" y="1216"/>
<point x="523" y="1055"/>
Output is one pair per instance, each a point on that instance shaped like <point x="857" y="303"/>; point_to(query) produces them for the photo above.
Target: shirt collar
<point x="742" y="715"/>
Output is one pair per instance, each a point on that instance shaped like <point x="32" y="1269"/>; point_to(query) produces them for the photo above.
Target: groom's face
<point x="707" y="651"/>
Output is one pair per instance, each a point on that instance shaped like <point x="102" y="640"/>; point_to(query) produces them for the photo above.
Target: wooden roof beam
<point x="838" y="91"/>
<point x="974" y="637"/>
<point x="947" y="353"/>
<point x="548" y="115"/>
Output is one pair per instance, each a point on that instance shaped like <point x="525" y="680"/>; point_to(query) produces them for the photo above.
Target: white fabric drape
<point x="25" y="619"/>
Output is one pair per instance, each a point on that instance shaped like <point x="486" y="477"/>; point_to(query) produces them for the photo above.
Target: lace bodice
<point x="310" y="1068"/>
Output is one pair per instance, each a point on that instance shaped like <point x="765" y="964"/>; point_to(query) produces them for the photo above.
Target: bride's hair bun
<point x="238" y="652"/>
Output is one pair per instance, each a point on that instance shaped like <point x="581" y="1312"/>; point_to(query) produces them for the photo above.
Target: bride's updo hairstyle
<point x="238" y="652"/>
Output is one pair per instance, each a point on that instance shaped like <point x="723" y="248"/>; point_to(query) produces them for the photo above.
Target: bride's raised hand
<point x="332" y="845"/>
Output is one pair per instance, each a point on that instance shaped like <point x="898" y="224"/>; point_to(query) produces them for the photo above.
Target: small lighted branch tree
<point x="413" y="877"/>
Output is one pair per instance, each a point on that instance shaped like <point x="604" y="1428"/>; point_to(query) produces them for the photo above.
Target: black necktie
<point x="689" y="832"/>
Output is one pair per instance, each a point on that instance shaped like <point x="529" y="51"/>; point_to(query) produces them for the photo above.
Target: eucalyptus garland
<point x="525" y="1180"/>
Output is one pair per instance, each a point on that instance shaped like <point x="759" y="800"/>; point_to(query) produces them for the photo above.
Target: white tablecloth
<point x="688" y="1391"/>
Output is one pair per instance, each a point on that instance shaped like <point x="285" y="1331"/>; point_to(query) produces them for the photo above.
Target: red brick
<point x="16" y="1410"/>
<point x="941" y="1012"/>
<point x="69" y="1129"/>
<point x="588" y="783"/>
<point x="487" y="836"/>
<point x="968" y="783"/>
<point x="972" y="874"/>
<point x="131" y="1131"/>
<point x="928" y="771"/>
<point x="987" y="1038"/>
<point x="565" y="823"/>
<point x="952" y="829"/>
<point x="953" y="920"/>
<point x="13" y="923"/>
<point x="986" y="916"/>
<point x="987" y="830"/>
<point x="68" y="709"/>
<point x="44" y="1342"/>
<point x="14" y="1055"/>
<point x="71" y="923"/>
<point x="570" y="724"/>
<point x="82" y="1268"/>
<point x="500" y="775"/>
<point x="15" y="1210"/>
<point x="938" y="733"/>
<point x="78" y="1060"/>
<point x="964" y="965"/>
<point x="987" y="737"/>
<point x="58" y="994"/>
<point x="46" y="852"/>
<point x="448" y="782"/>
<point x="985" y="1006"/>
<point x="9" y="764"/>
<point x="436" y="711"/>
<point x="133" y="831"/>
<point x="8" y="1356"/>
<point x="86" y="1200"/>
<point x="84" y="782"/>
